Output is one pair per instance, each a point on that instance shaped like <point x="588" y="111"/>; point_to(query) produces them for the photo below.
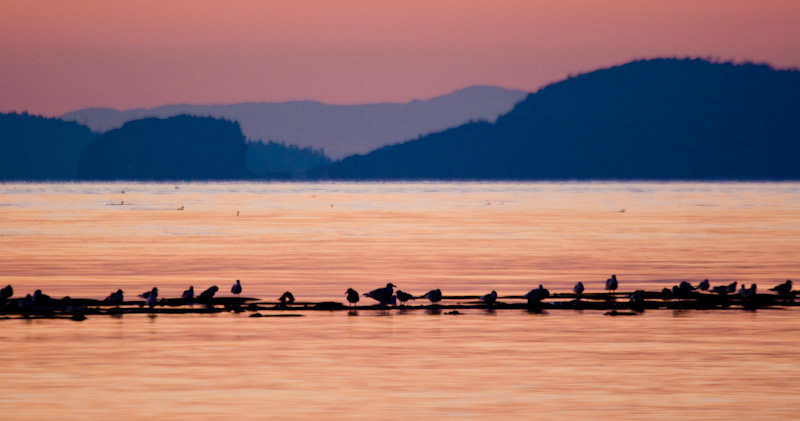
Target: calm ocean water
<point x="317" y="240"/>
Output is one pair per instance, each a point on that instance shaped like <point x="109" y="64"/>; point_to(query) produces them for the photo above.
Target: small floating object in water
<point x="256" y="315"/>
<point x="329" y="305"/>
<point x="455" y="312"/>
<point x="621" y="313"/>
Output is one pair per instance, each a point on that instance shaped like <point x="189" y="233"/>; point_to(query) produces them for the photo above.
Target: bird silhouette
<point x="352" y="297"/>
<point x="784" y="289"/>
<point x="611" y="283"/>
<point x="748" y="293"/>
<point x="638" y="296"/>
<point x="720" y="289"/>
<point x="189" y="293"/>
<point x="152" y="298"/>
<point x="537" y="295"/>
<point x="403" y="296"/>
<point x="115" y="298"/>
<point x="490" y="298"/>
<point x="382" y="295"/>
<point x="6" y="293"/>
<point x="434" y="295"/>
<point x="208" y="294"/>
<point x="703" y="286"/>
<point x="731" y="288"/>
<point x="236" y="289"/>
<point x="578" y="288"/>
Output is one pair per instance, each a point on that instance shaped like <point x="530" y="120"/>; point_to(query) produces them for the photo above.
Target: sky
<point x="62" y="55"/>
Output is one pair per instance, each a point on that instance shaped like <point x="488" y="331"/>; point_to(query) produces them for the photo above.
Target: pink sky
<point x="61" y="55"/>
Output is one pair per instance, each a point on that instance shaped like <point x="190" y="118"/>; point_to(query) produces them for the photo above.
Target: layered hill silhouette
<point x="660" y="119"/>
<point x="176" y="148"/>
<point x="35" y="148"/>
<point x="339" y="130"/>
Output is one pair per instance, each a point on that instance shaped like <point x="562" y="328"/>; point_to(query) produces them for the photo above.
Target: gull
<point x="720" y="289"/>
<point x="748" y="293"/>
<point x="115" y="298"/>
<point x="404" y="296"/>
<point x="40" y="298"/>
<point x="490" y="298"/>
<point x="638" y="296"/>
<point x="6" y="293"/>
<point x="784" y="289"/>
<point x="536" y="295"/>
<point x="208" y="294"/>
<point x="152" y="297"/>
<point x="352" y="296"/>
<point x="703" y="286"/>
<point x="685" y="289"/>
<point x="236" y="289"/>
<point x="731" y="288"/>
<point x="611" y="283"/>
<point x="434" y="296"/>
<point x="382" y="295"/>
<point x="189" y="293"/>
<point x="578" y="288"/>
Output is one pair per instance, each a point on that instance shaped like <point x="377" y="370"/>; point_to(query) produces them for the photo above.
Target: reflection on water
<point x="316" y="240"/>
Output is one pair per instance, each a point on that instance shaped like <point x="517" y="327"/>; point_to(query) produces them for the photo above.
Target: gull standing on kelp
<point x="434" y="296"/>
<point x="536" y="295"/>
<point x="236" y="289"/>
<point x="152" y="298"/>
<point x="578" y="288"/>
<point x="208" y="294"/>
<point x="6" y="293"/>
<point x="382" y="295"/>
<point x="352" y="297"/>
<point x="489" y="298"/>
<point x="784" y="289"/>
<point x="703" y="286"/>
<point x="115" y="298"/>
<point x="404" y="296"/>
<point x="732" y="288"/>
<point x="189" y="293"/>
<point x="611" y="283"/>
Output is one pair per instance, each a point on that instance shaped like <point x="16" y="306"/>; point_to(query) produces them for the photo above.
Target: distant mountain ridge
<point x="340" y="130"/>
<point x="659" y="119"/>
